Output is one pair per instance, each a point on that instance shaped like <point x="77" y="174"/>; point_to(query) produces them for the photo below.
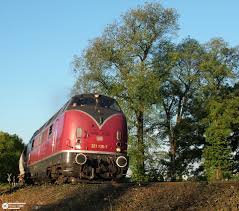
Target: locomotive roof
<point x="64" y="108"/>
<point x="89" y="95"/>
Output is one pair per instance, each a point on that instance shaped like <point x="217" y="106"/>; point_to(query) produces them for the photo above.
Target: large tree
<point x="120" y="64"/>
<point x="181" y="106"/>
<point x="11" y="147"/>
<point x="193" y="75"/>
<point x="221" y="71"/>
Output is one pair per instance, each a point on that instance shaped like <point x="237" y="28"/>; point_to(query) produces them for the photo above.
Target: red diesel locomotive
<point x="85" y="139"/>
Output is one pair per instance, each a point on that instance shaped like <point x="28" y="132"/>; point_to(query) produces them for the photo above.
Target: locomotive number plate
<point x="99" y="146"/>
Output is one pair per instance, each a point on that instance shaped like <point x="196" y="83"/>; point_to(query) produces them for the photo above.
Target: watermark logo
<point x="12" y="206"/>
<point x="5" y="206"/>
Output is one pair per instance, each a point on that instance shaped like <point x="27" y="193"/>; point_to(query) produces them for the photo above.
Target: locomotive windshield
<point x="91" y="100"/>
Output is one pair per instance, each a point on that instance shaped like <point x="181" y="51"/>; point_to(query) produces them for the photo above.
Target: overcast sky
<point x="38" y="40"/>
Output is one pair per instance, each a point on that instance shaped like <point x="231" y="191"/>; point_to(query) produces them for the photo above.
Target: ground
<point x="128" y="196"/>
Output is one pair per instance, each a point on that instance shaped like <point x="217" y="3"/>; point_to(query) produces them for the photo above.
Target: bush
<point x="11" y="147"/>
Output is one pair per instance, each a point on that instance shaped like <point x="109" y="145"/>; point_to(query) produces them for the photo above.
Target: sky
<point x="38" y="40"/>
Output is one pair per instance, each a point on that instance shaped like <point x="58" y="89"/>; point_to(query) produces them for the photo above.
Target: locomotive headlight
<point x="118" y="149"/>
<point x="78" y="144"/>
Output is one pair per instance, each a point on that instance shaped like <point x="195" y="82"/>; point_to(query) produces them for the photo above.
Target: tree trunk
<point x="173" y="140"/>
<point x="172" y="156"/>
<point x="140" y="142"/>
<point x="172" y="152"/>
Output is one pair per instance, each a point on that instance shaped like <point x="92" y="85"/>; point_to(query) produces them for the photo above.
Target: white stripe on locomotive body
<point x="76" y="151"/>
<point x="68" y="157"/>
<point x="99" y="126"/>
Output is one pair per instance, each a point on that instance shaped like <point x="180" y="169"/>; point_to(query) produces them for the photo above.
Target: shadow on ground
<point x="100" y="197"/>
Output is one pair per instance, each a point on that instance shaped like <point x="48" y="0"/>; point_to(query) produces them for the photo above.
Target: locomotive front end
<point x="95" y="131"/>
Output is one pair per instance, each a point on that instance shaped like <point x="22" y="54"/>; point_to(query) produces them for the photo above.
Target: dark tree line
<point x="181" y="99"/>
<point x="11" y="147"/>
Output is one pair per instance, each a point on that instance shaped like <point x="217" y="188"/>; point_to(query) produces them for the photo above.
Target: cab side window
<point x="50" y="131"/>
<point x="33" y="143"/>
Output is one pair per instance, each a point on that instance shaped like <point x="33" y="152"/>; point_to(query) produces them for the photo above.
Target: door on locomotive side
<point x="53" y="130"/>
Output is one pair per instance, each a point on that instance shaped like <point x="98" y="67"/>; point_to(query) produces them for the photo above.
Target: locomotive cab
<point x="97" y="124"/>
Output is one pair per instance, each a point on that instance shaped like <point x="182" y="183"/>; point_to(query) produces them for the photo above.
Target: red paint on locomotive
<point x="94" y="130"/>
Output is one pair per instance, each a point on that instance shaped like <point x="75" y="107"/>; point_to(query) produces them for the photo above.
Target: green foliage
<point x="138" y="173"/>
<point x="172" y="94"/>
<point x="180" y="106"/>
<point x="11" y="147"/>
<point x="219" y="68"/>
<point x="224" y="113"/>
<point x="120" y="63"/>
